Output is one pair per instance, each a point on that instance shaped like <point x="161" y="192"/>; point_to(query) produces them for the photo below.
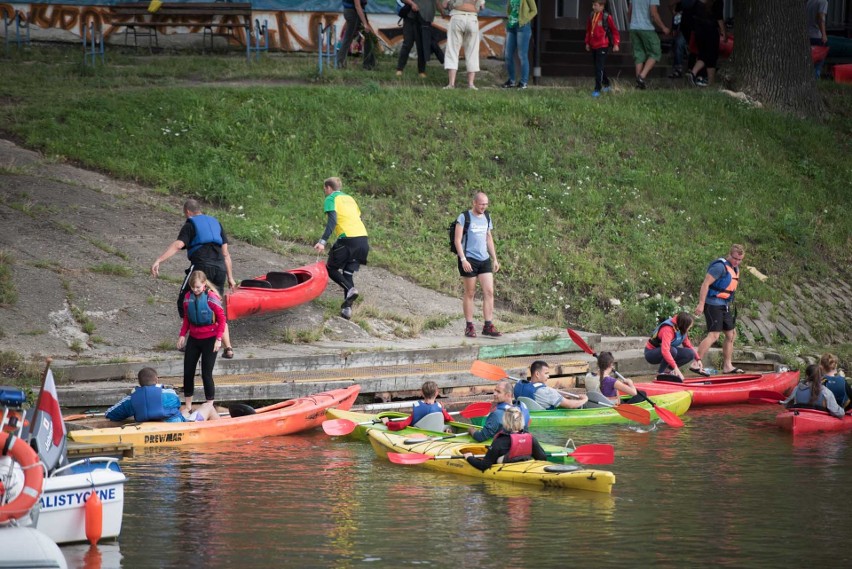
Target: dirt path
<point x="67" y="228"/>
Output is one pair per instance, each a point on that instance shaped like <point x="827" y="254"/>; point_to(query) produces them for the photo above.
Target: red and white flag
<point x="48" y="402"/>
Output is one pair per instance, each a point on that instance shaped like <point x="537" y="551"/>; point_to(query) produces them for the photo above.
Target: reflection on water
<point x="727" y="489"/>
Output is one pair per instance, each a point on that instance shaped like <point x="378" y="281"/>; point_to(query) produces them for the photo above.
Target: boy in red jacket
<point x="601" y="34"/>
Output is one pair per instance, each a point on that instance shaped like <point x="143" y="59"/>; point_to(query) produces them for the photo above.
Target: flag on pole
<point x="48" y="402"/>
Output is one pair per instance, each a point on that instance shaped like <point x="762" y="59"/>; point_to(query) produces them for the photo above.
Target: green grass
<point x="591" y="199"/>
<point x="112" y="269"/>
<point x="8" y="292"/>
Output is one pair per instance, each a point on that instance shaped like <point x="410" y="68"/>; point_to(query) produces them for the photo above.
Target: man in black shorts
<point x="477" y="262"/>
<point x="207" y="249"/>
<point x="715" y="301"/>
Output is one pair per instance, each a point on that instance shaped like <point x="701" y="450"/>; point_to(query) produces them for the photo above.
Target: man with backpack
<point x="477" y="261"/>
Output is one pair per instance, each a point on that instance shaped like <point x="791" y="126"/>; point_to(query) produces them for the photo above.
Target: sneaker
<point x="676" y="74"/>
<point x="640" y="83"/>
<point x="422" y="75"/>
<point x="351" y="297"/>
<point x="607" y="89"/>
<point x="508" y="84"/>
<point x="399" y="72"/>
<point x="690" y="76"/>
<point x="449" y="87"/>
<point x="596" y="93"/>
<point x="522" y="85"/>
<point x="701" y="82"/>
<point x="346" y="312"/>
<point x="473" y="87"/>
<point x="469" y="331"/>
<point x="490" y="330"/>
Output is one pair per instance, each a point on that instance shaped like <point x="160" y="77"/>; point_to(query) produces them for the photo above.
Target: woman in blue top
<point x="835" y="382"/>
<point x="812" y="394"/>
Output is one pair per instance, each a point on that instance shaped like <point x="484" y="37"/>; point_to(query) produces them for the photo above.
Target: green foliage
<point x="19" y="372"/>
<point x="112" y="269"/>
<point x="8" y="292"/>
<point x="591" y="199"/>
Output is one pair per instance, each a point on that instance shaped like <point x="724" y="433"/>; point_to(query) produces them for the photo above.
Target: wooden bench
<point x="214" y="18"/>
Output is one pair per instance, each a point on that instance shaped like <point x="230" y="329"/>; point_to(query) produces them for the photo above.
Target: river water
<point x="729" y="489"/>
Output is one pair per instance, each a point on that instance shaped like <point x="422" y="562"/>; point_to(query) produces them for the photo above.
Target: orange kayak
<point x="276" y="291"/>
<point x="282" y="418"/>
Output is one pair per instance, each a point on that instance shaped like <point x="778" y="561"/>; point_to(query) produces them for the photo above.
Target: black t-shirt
<point x="209" y="254"/>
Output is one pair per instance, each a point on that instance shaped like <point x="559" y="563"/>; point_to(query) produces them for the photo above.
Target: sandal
<point x="699" y="371"/>
<point x="228" y="353"/>
<point x="736" y="370"/>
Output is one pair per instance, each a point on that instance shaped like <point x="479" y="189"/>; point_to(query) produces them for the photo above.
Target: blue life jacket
<point x="678" y="339"/>
<point x="207" y="230"/>
<point x="422" y="409"/>
<point x="501" y="408"/>
<point x="527" y="389"/>
<point x="520" y="447"/>
<point x="837" y="385"/>
<point x="147" y="403"/>
<point x="198" y="309"/>
<point x="725" y="286"/>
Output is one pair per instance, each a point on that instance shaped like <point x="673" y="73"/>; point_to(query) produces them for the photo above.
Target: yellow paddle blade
<point x="154" y="5"/>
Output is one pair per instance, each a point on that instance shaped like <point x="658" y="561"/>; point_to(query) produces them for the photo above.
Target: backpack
<point x="402" y="9"/>
<point x="451" y="230"/>
<point x="607" y="30"/>
<point x="198" y="311"/>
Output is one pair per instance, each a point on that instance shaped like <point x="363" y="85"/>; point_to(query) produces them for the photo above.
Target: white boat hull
<point x="62" y="512"/>
<point x="28" y="547"/>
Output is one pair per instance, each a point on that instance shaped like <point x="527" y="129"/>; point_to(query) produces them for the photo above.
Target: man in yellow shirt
<point x="351" y="248"/>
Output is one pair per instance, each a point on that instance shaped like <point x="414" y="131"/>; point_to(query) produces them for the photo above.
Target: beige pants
<point x="462" y="33"/>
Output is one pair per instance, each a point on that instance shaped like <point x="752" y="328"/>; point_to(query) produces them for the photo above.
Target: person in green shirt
<point x="351" y="247"/>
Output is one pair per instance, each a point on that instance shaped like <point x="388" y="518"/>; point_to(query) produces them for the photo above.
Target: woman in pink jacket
<point x="200" y="335"/>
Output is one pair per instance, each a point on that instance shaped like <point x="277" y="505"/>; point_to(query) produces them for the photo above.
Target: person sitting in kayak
<point x="670" y="347"/>
<point x="494" y="420"/>
<point x="512" y="444"/>
<point x="154" y="402"/>
<point x="536" y="389"/>
<point x="420" y="410"/>
<point x="835" y="382"/>
<point x="812" y="394"/>
<point x="611" y="386"/>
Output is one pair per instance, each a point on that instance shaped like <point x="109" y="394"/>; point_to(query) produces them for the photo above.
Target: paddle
<point x="496" y="373"/>
<point x="667" y="416"/>
<point x="626" y="410"/>
<point x="764" y="396"/>
<point x="341" y="427"/>
<point x="586" y="454"/>
<point x="425" y="439"/>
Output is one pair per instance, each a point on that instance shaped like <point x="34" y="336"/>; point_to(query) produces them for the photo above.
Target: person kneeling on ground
<point x="420" y="409"/>
<point x="669" y="346"/>
<point x="812" y="394"/>
<point x="153" y="402"/>
<point x="512" y="444"/>
<point x="535" y="388"/>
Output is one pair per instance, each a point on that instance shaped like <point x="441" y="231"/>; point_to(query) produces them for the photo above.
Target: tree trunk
<point x="772" y="56"/>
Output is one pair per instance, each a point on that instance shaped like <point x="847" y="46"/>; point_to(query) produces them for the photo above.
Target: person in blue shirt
<point x="834" y="381"/>
<point x="494" y="421"/>
<point x="154" y="402"/>
<point x="715" y="301"/>
<point x="536" y="388"/>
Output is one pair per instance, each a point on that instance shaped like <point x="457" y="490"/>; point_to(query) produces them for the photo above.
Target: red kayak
<point x="724" y="389"/>
<point x="276" y="291"/>
<point x="804" y="421"/>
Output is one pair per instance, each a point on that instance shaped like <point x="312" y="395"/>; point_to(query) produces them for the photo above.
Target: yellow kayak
<point x="446" y="456"/>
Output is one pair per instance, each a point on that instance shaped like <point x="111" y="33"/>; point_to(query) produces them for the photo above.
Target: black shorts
<point x="348" y="253"/>
<point x="719" y="318"/>
<point x="476" y="268"/>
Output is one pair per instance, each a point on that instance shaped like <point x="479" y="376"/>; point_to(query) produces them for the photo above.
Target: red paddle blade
<point x="667" y="416"/>
<point x="408" y="458"/>
<point x="594" y="454"/>
<point x="487" y="371"/>
<point x="581" y="343"/>
<point x="480" y="409"/>
<point x="634" y="413"/>
<point x="338" y="427"/>
<point x="763" y="394"/>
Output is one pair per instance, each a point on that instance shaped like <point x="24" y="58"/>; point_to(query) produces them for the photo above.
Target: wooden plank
<point x="78" y="451"/>
<point x="557" y="346"/>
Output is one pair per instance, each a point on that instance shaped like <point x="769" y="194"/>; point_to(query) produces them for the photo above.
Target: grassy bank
<point x="592" y="200"/>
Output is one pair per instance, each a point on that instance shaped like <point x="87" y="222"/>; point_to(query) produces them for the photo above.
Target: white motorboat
<point x="28" y="547"/>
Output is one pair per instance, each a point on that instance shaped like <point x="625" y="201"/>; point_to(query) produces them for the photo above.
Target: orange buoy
<point x="93" y="558"/>
<point x="94" y="518"/>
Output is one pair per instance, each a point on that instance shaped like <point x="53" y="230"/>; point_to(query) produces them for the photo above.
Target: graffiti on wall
<point x="288" y="30"/>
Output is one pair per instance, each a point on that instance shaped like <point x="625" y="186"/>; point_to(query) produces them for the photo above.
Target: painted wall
<point x="293" y="24"/>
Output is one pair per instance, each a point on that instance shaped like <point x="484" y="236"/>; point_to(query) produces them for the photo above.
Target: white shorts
<point x="462" y="33"/>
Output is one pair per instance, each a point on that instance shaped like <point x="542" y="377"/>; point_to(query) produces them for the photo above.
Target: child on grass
<point x="601" y="34"/>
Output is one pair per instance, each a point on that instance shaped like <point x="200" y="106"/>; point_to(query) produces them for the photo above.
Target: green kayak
<point x="364" y="423"/>
<point x="677" y="402"/>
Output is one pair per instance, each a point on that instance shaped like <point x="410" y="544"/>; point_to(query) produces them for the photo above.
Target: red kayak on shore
<point x="724" y="389"/>
<point x="805" y="421"/>
<point x="276" y="291"/>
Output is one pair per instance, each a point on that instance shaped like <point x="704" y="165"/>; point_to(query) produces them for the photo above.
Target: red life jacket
<point x="521" y="447"/>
